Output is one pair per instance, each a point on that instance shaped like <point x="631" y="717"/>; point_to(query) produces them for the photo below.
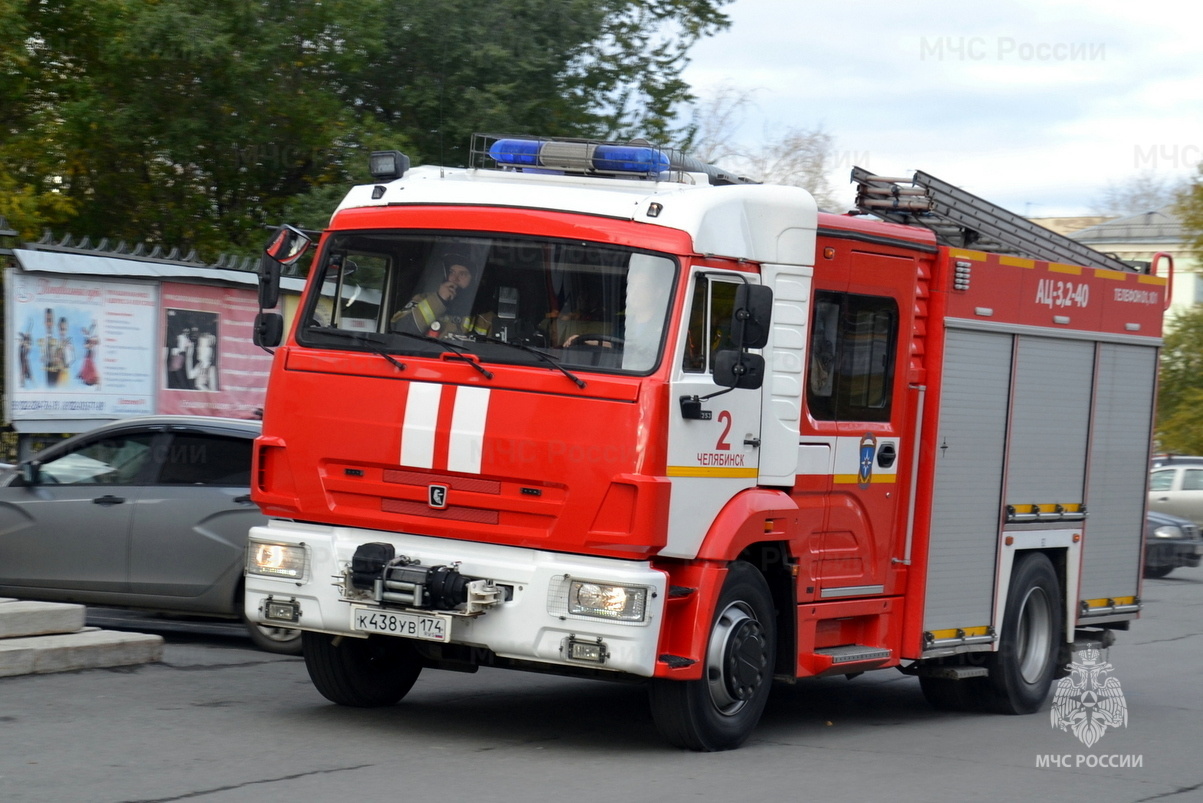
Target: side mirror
<point x="31" y="472"/>
<point x="738" y="369"/>
<point x="269" y="329"/>
<point x="286" y="246"/>
<point x="269" y="282"/>
<point x="752" y="315"/>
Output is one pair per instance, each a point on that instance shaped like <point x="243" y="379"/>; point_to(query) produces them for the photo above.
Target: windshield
<point x="583" y="304"/>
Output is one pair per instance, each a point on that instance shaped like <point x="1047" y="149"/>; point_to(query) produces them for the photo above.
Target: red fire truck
<point x="601" y="410"/>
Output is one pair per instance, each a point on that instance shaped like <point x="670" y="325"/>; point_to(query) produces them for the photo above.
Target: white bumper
<point x="521" y="628"/>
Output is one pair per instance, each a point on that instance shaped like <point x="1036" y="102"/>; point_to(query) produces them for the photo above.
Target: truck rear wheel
<point x="364" y="673"/>
<point x="1022" y="671"/>
<point x="720" y="710"/>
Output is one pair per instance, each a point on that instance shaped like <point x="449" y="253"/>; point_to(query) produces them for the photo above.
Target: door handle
<point x="107" y="500"/>
<point x="886" y="455"/>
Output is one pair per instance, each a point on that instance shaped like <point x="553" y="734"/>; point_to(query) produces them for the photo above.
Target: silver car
<point x="1176" y="487"/>
<point x="149" y="513"/>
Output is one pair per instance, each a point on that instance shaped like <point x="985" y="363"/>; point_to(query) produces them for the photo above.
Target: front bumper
<point x="1176" y="553"/>
<point x="527" y="623"/>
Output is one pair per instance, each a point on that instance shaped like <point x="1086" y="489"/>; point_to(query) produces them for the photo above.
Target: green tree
<point x="588" y="68"/>
<point x="1190" y="209"/>
<point x="1180" y="397"/>
<point x="197" y="122"/>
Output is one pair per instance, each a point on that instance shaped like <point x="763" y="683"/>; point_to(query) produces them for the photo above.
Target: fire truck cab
<point x="600" y="410"/>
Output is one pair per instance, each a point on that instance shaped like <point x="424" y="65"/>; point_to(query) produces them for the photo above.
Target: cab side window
<point x="852" y="353"/>
<point x="709" y="323"/>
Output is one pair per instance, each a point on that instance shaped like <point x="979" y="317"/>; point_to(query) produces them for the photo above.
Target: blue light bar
<point x="579" y="157"/>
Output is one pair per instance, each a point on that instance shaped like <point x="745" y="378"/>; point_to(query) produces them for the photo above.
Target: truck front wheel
<point x="1021" y="672"/>
<point x="720" y="710"/>
<point x="364" y="673"/>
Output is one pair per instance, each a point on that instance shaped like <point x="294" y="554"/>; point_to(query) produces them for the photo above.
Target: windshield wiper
<point x="360" y="338"/>
<point x="457" y="351"/>
<point x="542" y="355"/>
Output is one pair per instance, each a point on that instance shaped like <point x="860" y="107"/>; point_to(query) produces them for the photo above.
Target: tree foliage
<point x="1190" y="209"/>
<point x="1180" y="397"/>
<point x="197" y="122"/>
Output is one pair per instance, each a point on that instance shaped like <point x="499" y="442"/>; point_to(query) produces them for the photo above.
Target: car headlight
<point x="1168" y="531"/>
<point x="286" y="561"/>
<point x="624" y="603"/>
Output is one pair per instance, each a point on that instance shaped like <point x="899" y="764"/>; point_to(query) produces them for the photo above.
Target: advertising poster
<point x="79" y="349"/>
<point x="208" y="362"/>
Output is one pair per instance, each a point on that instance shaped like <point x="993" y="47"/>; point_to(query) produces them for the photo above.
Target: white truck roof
<point x="757" y="222"/>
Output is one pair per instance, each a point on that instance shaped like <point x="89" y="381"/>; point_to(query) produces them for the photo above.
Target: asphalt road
<point x="218" y="721"/>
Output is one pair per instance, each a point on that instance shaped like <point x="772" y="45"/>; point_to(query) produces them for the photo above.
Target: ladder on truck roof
<point x="961" y="219"/>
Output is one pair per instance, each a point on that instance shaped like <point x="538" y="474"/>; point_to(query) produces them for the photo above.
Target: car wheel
<point x="1158" y="571"/>
<point x="1022" y="671"/>
<point x="280" y="640"/>
<point x="719" y="710"/>
<point x="363" y="673"/>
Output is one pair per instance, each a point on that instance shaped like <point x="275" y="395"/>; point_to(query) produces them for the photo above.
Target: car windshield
<point x="583" y="305"/>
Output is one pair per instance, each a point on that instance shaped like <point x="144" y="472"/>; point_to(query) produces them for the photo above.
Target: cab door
<point x="859" y="407"/>
<point x="713" y="446"/>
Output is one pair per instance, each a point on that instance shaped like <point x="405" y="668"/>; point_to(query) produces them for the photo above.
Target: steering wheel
<point x="595" y="341"/>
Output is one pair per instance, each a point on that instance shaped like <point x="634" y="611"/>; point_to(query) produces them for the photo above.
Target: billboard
<point x="78" y="349"/>
<point x="208" y="363"/>
<point x="90" y="348"/>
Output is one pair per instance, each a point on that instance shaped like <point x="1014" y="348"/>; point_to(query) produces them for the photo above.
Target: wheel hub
<point x="745" y="660"/>
<point x="738" y="659"/>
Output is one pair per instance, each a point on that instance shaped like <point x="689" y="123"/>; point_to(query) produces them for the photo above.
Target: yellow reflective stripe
<point x="1107" y="602"/>
<point x="1048" y="508"/>
<point x="962" y="632"/>
<point x="709" y="471"/>
<point x="1018" y="262"/>
<point x="961" y="253"/>
<point x="854" y="479"/>
<point x="1057" y="267"/>
<point x="424" y="312"/>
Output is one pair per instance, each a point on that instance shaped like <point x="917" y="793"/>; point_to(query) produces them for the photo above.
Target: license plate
<point x="424" y="626"/>
<point x="1199" y="549"/>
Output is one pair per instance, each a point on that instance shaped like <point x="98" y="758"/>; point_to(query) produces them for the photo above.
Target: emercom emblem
<point x="1087" y="702"/>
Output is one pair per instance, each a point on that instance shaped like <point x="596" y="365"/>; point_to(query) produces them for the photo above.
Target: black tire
<point x="1022" y="671"/>
<point x="1158" y="571"/>
<point x="363" y="673"/>
<point x="720" y="710"/>
<point x="280" y="640"/>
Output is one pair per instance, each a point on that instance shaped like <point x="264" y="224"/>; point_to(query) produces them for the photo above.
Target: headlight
<point x="1168" y="531"/>
<point x="624" y="603"/>
<point x="275" y="560"/>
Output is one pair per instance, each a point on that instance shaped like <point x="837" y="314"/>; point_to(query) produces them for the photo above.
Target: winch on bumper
<point x="520" y="604"/>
